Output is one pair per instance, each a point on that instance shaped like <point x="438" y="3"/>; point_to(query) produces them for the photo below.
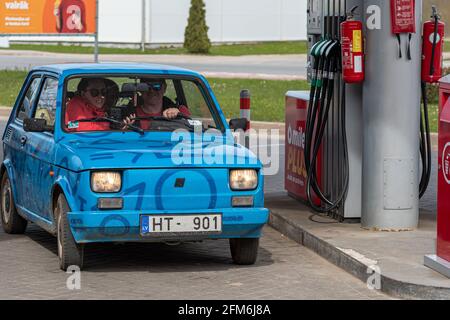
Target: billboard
<point x="47" y="16"/>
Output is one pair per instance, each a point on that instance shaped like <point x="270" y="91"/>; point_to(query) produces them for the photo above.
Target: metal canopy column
<point x="391" y="113"/>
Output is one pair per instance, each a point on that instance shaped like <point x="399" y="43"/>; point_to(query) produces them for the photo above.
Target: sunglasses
<point x="96" y="92"/>
<point x="155" y="86"/>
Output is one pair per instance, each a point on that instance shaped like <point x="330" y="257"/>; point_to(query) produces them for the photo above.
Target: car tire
<point x="70" y="253"/>
<point x="12" y="222"/>
<point x="244" y="251"/>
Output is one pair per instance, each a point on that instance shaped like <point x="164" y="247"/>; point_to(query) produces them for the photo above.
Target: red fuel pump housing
<point x="295" y="170"/>
<point x="432" y="59"/>
<point x="352" y="51"/>
<point x="443" y="219"/>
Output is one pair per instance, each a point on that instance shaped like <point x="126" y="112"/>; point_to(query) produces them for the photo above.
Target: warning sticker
<point x="358" y="64"/>
<point x="357" y="41"/>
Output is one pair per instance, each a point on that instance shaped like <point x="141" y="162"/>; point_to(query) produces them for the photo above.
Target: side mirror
<point x="236" y="124"/>
<point x="36" y="125"/>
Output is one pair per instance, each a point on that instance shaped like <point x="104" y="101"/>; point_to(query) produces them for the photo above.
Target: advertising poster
<point x="47" y="16"/>
<point x="295" y="170"/>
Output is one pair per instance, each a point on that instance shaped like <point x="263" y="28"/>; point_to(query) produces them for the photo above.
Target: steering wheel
<point x="181" y="115"/>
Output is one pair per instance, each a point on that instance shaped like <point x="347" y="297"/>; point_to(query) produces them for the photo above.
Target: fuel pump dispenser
<point x="327" y="60"/>
<point x="328" y="117"/>
<point x="360" y="160"/>
<point x="433" y="44"/>
<point x="440" y="261"/>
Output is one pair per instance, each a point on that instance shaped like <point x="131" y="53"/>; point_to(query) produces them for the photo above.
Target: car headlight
<point x="106" y="181"/>
<point x="243" y="179"/>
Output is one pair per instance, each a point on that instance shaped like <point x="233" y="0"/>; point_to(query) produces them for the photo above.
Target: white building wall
<point x="228" y="20"/>
<point x="231" y="20"/>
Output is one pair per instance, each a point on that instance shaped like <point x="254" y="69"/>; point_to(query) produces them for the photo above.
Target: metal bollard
<point x="245" y="113"/>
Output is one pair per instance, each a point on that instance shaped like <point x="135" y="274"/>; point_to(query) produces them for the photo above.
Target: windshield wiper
<point x="106" y="119"/>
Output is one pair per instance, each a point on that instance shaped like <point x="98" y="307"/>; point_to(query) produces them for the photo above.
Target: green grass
<point x="10" y="84"/>
<point x="433" y="115"/>
<point x="267" y="95"/>
<point x="282" y="47"/>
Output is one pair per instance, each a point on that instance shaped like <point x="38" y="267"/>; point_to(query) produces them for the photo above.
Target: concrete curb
<point x="355" y="267"/>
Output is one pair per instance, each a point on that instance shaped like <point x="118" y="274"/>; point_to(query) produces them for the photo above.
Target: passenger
<point x="88" y="103"/>
<point x="154" y="103"/>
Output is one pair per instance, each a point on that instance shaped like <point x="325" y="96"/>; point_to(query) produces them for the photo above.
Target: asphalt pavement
<point x="289" y="67"/>
<point x="284" y="270"/>
<point x="276" y="67"/>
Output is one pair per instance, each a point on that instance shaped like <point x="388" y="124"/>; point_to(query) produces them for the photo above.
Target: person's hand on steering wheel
<point x="128" y="120"/>
<point x="171" y="113"/>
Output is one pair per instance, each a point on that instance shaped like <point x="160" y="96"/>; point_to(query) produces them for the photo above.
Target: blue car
<point x="123" y="152"/>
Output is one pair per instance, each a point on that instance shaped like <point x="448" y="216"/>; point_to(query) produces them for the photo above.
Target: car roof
<point x="68" y="69"/>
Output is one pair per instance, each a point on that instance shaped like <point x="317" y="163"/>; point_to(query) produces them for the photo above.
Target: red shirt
<point x="145" y="124"/>
<point x="69" y="11"/>
<point x="78" y="109"/>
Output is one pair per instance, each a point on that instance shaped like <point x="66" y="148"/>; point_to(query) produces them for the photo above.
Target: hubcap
<point x="6" y="201"/>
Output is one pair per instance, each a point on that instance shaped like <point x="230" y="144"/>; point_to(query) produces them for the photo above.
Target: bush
<point x="196" y="34"/>
<point x="433" y="89"/>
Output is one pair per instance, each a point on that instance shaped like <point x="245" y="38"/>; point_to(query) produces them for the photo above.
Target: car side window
<point x="170" y="91"/>
<point x="28" y="100"/>
<point x="46" y="106"/>
<point x="197" y="103"/>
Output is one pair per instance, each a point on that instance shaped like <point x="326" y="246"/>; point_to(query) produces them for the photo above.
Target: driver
<point x="154" y="103"/>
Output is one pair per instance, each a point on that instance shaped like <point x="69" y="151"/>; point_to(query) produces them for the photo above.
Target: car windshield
<point x="137" y="103"/>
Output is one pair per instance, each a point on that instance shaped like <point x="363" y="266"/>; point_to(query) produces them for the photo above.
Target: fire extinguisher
<point x="432" y="48"/>
<point x="432" y="56"/>
<point x="352" y="49"/>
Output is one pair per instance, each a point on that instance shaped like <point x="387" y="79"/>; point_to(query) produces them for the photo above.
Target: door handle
<point x="23" y="140"/>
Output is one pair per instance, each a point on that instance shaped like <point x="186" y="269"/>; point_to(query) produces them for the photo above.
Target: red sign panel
<point x="295" y="169"/>
<point x="403" y="16"/>
<point x="443" y="232"/>
<point x="47" y="16"/>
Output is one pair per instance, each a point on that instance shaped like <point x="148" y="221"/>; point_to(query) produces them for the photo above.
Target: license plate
<point x="181" y="224"/>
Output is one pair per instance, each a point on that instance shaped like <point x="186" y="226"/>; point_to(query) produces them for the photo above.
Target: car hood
<point x="78" y="153"/>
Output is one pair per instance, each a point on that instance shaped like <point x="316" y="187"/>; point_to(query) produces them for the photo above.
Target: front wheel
<point x="69" y="252"/>
<point x="244" y="251"/>
<point x="11" y="221"/>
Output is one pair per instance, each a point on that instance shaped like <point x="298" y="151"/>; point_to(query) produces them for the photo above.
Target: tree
<point x="196" y="34"/>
